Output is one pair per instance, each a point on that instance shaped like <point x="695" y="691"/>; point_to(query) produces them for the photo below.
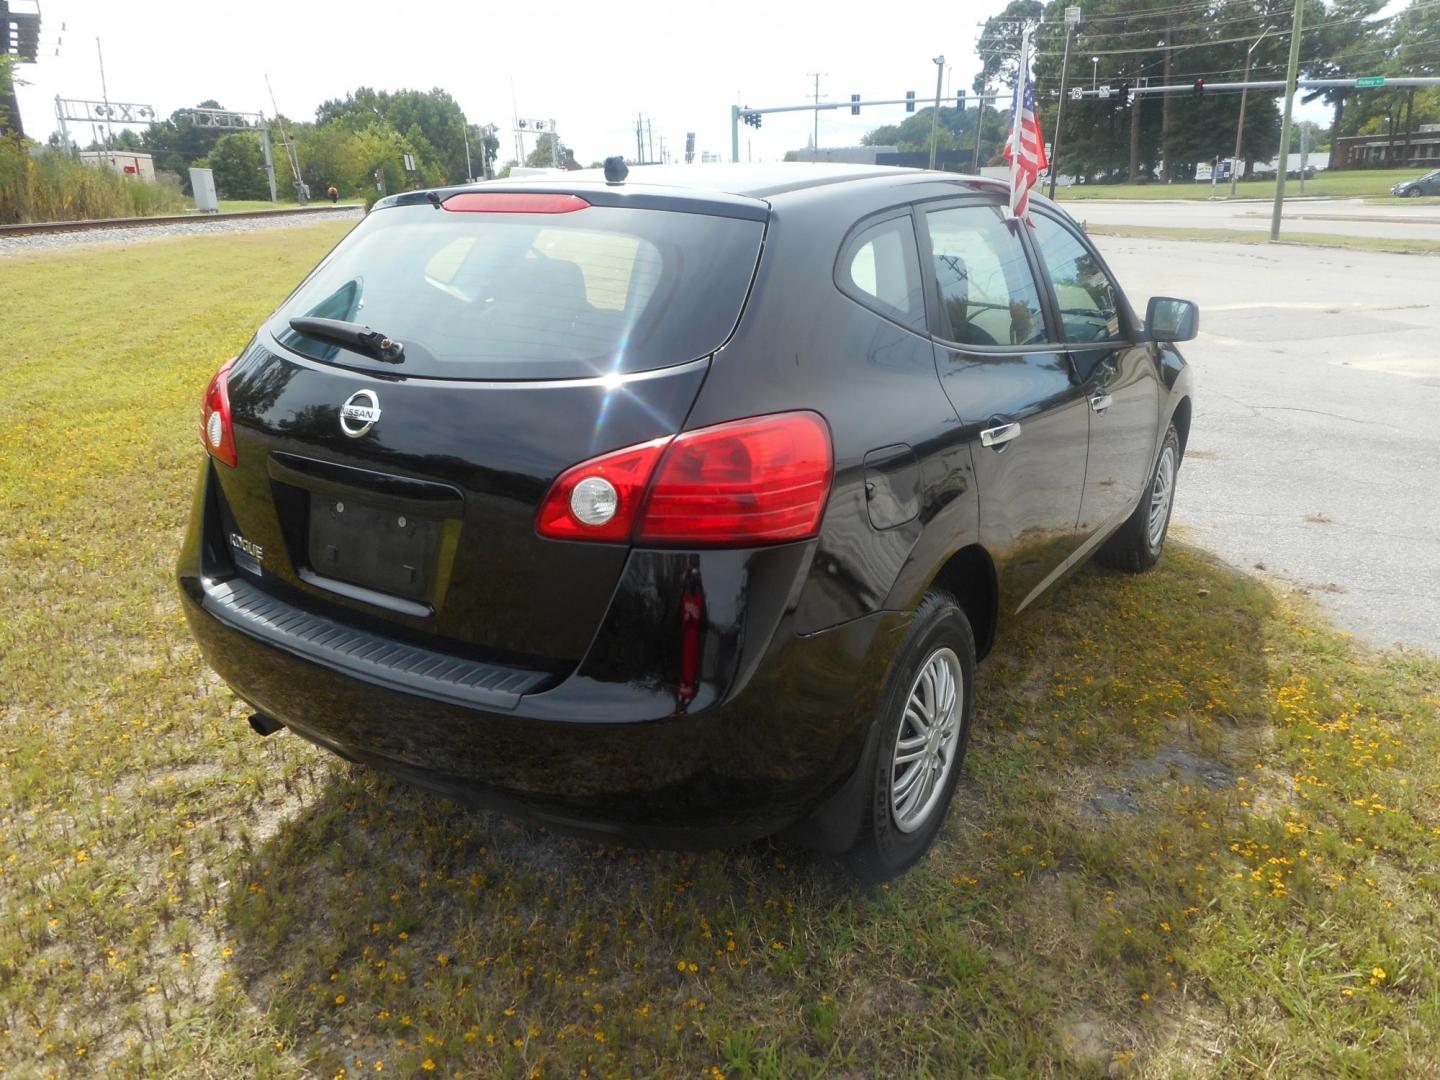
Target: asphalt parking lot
<point x="1315" y="447"/>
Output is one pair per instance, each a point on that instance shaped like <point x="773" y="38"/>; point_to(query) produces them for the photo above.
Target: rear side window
<point x="986" y="288"/>
<point x="880" y="267"/>
<point x="1089" y="310"/>
<point x="596" y="291"/>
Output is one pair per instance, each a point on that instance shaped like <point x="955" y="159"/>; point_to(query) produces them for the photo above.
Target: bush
<point x="50" y="185"/>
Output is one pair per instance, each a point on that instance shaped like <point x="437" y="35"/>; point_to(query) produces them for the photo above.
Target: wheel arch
<point x="1181" y="419"/>
<point x="969" y="576"/>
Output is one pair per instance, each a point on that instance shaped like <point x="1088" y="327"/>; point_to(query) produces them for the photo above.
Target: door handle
<point x="1100" y="402"/>
<point x="996" y="437"/>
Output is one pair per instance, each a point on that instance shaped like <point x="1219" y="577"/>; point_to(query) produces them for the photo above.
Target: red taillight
<point x="216" y="431"/>
<point x="625" y="471"/>
<point x="749" y="481"/>
<point x="756" y="481"/>
<point x="514" y="202"/>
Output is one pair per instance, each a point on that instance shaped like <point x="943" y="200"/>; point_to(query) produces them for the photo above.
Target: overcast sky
<point x="592" y="67"/>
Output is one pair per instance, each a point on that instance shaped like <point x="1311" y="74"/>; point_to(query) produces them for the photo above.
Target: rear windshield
<point x="597" y="291"/>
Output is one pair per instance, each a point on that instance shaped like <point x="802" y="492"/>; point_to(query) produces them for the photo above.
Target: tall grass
<point x="50" y="185"/>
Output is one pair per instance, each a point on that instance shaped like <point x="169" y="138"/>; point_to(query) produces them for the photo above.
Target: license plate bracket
<point x="389" y="551"/>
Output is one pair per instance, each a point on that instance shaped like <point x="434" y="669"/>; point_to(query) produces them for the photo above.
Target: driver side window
<point x="1087" y="298"/>
<point x="986" y="289"/>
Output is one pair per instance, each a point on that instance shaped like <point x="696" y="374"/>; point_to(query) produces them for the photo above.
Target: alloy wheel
<point x="928" y="741"/>
<point x="1161" y="492"/>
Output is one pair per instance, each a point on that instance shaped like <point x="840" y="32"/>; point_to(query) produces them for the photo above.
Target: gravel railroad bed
<point x="99" y="237"/>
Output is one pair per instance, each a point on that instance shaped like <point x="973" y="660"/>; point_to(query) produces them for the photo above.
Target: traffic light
<point x="1121" y="87"/>
<point x="751" y="118"/>
<point x="1199" y="88"/>
<point x="689" y="147"/>
<point x="854" y="104"/>
<point x="909" y="100"/>
<point x="960" y="100"/>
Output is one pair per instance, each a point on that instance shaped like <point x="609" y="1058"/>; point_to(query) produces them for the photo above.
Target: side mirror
<point x="1168" y="319"/>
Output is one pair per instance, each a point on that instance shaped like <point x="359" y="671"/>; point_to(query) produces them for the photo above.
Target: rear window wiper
<point x="361" y="339"/>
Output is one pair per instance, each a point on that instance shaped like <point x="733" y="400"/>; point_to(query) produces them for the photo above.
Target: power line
<point x="1219" y="22"/>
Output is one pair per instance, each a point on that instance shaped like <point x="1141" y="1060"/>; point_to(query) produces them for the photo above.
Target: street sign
<point x="1076" y="93"/>
<point x="1370" y="80"/>
<point x="1104" y="91"/>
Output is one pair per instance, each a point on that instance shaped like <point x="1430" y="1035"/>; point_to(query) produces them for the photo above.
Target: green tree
<point x="1344" y="47"/>
<point x="431" y="121"/>
<point x="9" y="105"/>
<point x="239" y="166"/>
<point x="1140" y="40"/>
<point x="548" y="150"/>
<point x="177" y="143"/>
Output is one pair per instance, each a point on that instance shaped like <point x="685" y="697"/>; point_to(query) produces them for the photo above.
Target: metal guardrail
<point x="34" y="228"/>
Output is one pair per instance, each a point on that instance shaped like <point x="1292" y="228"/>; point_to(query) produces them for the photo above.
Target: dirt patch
<point x="1169" y="763"/>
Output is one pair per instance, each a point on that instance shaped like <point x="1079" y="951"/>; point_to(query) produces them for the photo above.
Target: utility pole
<point x="1409" y="120"/>
<point x="815" y="136"/>
<point x="105" y="97"/>
<point x="302" y="193"/>
<point x="1304" y="152"/>
<point x="639" y="139"/>
<point x="1072" y="20"/>
<point x="935" y="116"/>
<point x="979" y="124"/>
<point x="465" y="133"/>
<point x="1167" y="173"/>
<point x="1135" y="138"/>
<point x="1291" y="73"/>
<point x="1240" y="127"/>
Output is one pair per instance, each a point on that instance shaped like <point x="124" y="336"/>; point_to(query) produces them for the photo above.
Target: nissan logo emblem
<point x="359" y="413"/>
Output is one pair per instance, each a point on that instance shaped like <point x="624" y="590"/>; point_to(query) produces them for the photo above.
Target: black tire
<point x="884" y="848"/>
<point x="1414" y="193"/>
<point x="1136" y="547"/>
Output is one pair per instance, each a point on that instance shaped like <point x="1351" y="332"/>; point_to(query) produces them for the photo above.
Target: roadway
<point x="1315" y="448"/>
<point x="1343" y="217"/>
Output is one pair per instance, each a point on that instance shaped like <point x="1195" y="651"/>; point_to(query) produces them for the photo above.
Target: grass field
<point x="1198" y="832"/>
<point x="1346" y="183"/>
<point x="230" y="206"/>
<point x="1399" y="245"/>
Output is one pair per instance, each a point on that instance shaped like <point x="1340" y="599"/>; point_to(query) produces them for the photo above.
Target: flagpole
<point x="1016" y="113"/>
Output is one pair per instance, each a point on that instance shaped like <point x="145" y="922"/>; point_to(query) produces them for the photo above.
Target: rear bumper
<point x="743" y="769"/>
<point x="672" y="730"/>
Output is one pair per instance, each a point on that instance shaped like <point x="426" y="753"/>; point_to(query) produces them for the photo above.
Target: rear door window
<point x="601" y="290"/>
<point x="880" y="267"/>
<point x="987" y="292"/>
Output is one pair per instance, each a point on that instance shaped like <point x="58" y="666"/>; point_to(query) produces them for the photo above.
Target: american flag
<point x="1025" y="149"/>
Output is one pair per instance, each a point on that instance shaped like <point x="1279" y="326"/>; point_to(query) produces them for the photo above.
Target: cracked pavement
<point x="1315" y="447"/>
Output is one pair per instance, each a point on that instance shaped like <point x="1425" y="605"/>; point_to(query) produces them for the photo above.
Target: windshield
<point x="530" y="296"/>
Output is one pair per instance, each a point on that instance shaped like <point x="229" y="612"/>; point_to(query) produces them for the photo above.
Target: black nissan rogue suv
<point x="677" y="508"/>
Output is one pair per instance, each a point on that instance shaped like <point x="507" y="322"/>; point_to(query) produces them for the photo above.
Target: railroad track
<point x="35" y="228"/>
